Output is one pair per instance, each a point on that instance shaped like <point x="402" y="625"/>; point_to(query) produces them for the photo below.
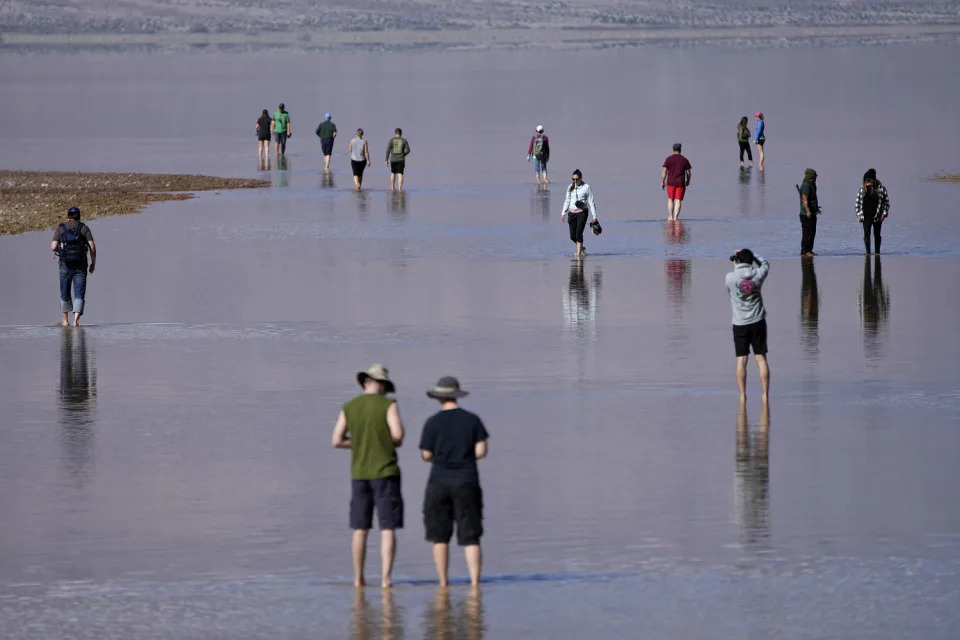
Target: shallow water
<point x="165" y="471"/>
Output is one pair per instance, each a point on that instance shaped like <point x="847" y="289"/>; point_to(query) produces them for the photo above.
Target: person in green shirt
<point x="281" y="129"/>
<point x="327" y="131"/>
<point x="397" y="151"/>
<point x="370" y="426"/>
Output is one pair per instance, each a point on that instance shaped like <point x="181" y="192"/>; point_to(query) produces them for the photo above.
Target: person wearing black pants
<point x="809" y="209"/>
<point x="577" y="206"/>
<point x="873" y="206"/>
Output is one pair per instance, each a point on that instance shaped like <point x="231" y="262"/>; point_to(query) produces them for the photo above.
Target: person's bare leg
<point x="388" y="551"/>
<point x="764" y="375"/>
<point x="441" y="558"/>
<point x="326" y="163"/>
<point x="760" y="161"/>
<point x="474" y="562"/>
<point x="356" y="183"/>
<point x="545" y="181"/>
<point x="359" y="556"/>
<point x="65" y="320"/>
<point x="669" y="208"/>
<point x="676" y="209"/>
<point x="537" y="176"/>
<point x="400" y="182"/>
<point x="579" y="253"/>
<point x="742" y="375"/>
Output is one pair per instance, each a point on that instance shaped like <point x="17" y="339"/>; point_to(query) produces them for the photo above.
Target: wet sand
<point x="34" y="200"/>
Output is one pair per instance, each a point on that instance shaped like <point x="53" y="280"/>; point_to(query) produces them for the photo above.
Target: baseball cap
<point x="328" y="115"/>
<point x="282" y="106"/>
<point x="677" y="146"/>
<point x="73" y="212"/>
<point x="758" y="114"/>
<point x="743" y="256"/>
<point x="539" y="127"/>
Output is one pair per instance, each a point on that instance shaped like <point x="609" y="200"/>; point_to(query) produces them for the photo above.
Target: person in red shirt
<point x="675" y="178"/>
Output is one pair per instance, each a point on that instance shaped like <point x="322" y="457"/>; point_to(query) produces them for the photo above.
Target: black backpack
<point x="73" y="246"/>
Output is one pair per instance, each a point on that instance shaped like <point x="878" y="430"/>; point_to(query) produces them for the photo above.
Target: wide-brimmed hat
<point x="378" y="373"/>
<point x="447" y="387"/>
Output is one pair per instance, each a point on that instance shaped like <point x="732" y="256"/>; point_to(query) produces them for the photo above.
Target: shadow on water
<point x="753" y="478"/>
<point x="461" y="621"/>
<point x="540" y="202"/>
<point x="281" y="177"/>
<point x="874" y="305"/>
<point x="397" y="205"/>
<point x="327" y="181"/>
<point x="580" y="300"/>
<point x="809" y="310"/>
<point x="368" y="623"/>
<point x="77" y="401"/>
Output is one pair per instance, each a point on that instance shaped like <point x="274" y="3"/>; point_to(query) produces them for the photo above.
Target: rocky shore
<point x="36" y="200"/>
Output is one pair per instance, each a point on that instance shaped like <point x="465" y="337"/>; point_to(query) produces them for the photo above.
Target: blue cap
<point x="73" y="212"/>
<point x="328" y="116"/>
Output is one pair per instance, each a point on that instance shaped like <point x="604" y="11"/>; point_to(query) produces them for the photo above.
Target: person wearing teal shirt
<point x="281" y="129"/>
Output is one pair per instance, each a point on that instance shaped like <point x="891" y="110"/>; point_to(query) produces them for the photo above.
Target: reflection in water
<point x="263" y="164"/>
<point x="362" y="198"/>
<point x="540" y="202"/>
<point x="366" y="625"/>
<point x="676" y="232"/>
<point x="809" y="309"/>
<point x="281" y="177"/>
<point x="678" y="277"/>
<point x="397" y="204"/>
<point x="874" y="302"/>
<point x="744" y="191"/>
<point x="463" y="622"/>
<point x="753" y="477"/>
<point x="326" y="181"/>
<point x="77" y="400"/>
<point x="580" y="300"/>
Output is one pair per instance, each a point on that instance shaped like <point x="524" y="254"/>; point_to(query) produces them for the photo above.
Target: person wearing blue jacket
<point x="749" y="316"/>
<point x="759" y="137"/>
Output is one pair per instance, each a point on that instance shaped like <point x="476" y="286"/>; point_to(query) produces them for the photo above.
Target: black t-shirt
<point x="451" y="435"/>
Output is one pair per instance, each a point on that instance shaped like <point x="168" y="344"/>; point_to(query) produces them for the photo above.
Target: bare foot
<point x="360" y="582"/>
<point x="386" y="583"/>
<point x="76" y="321"/>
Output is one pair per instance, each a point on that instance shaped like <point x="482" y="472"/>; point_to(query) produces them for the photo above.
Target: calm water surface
<point x="166" y="470"/>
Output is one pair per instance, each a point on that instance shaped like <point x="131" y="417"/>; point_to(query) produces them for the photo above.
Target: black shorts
<point x="358" y="166"/>
<point x="453" y="500"/>
<point x="749" y="336"/>
<point x="384" y="493"/>
<point x="396" y="166"/>
<point x="760" y="143"/>
<point x="326" y="144"/>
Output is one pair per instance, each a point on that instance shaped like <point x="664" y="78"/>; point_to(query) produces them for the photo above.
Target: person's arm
<point x="334" y="131"/>
<point x="54" y="245"/>
<point x="884" y="203"/>
<point x="530" y="147"/>
<point x="341" y="440"/>
<point x="591" y="203"/>
<point x="366" y="152"/>
<point x="273" y="125"/>
<point x="389" y="144"/>
<point x="426" y="454"/>
<point x="406" y="148"/>
<point x="805" y="199"/>
<point x="480" y="450"/>
<point x="663" y="178"/>
<point x="318" y="129"/>
<point x="289" y="123"/>
<point x="93" y="255"/>
<point x="396" y="426"/>
<point x="689" y="174"/>
<point x="763" y="268"/>
<point x="566" y="205"/>
<point x="858" y="208"/>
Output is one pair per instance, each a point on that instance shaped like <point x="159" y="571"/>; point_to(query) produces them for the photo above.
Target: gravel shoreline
<point x="37" y="200"/>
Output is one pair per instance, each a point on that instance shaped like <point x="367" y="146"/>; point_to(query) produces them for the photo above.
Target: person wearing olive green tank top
<point x="370" y="426"/>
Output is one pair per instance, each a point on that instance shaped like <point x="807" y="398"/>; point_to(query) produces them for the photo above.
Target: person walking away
<point x="281" y="129"/>
<point x="263" y="134"/>
<point x="809" y="210"/>
<point x="452" y="441"/>
<point x="873" y="207"/>
<point x="397" y="151"/>
<point x="759" y="137"/>
<point x="749" y="316"/>
<point x="578" y="204"/>
<point x="72" y="240"/>
<point x="539" y="150"/>
<point x="359" y="158"/>
<point x="370" y="426"/>
<point x="743" y="139"/>
<point x="327" y="132"/>
<point x="675" y="178"/>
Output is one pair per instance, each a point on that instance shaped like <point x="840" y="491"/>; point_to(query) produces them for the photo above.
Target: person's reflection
<point x="678" y="277"/>
<point x="326" y="181"/>
<point x="364" y="624"/>
<point x="809" y="309"/>
<point x="398" y="204"/>
<point x="874" y="306"/>
<point x="465" y="622"/>
<point x="676" y="232"/>
<point x="281" y="177"/>
<point x="744" y="191"/>
<point x="362" y="201"/>
<point x="753" y="477"/>
<point x="540" y="202"/>
<point x="580" y="299"/>
<point x="263" y="163"/>
<point x="77" y="399"/>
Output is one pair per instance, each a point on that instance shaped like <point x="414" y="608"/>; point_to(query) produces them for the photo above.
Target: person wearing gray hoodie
<point x="749" y="316"/>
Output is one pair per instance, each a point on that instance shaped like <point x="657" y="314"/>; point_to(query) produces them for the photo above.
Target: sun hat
<point x="539" y="127"/>
<point x="328" y="115"/>
<point x="743" y="256"/>
<point x="677" y="146"/>
<point x="378" y="373"/>
<point x="447" y="387"/>
<point x="73" y="213"/>
<point x="758" y="114"/>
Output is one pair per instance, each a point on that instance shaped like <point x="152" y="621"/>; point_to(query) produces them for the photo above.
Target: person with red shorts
<point x="675" y="178"/>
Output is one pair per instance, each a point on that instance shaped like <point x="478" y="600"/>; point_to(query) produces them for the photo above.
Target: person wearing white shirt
<point x="577" y="207"/>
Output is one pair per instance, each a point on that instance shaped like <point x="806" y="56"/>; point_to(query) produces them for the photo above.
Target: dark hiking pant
<point x="808" y="227"/>
<point x="745" y="146"/>
<point x="874" y="223"/>
<point x="577" y="222"/>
